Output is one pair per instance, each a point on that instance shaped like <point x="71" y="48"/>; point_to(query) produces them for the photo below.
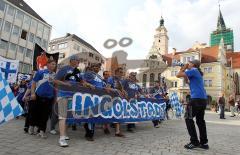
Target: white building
<point x="20" y="28"/>
<point x="70" y="45"/>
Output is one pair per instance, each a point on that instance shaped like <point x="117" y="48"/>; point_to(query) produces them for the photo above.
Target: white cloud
<point x="95" y="21"/>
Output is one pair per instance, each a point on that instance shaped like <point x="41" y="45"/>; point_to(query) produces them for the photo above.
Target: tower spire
<point x="161" y="21"/>
<point x="220" y="23"/>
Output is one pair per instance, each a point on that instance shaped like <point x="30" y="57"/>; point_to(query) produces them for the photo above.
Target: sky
<point x="95" y="21"/>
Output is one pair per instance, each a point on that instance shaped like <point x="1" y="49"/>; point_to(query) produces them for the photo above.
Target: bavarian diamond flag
<point x="9" y="107"/>
<point x="176" y="105"/>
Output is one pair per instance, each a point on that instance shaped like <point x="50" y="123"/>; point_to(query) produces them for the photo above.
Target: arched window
<point x="151" y="79"/>
<point x="144" y="80"/>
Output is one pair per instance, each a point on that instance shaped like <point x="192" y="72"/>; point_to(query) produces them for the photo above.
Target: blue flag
<point x="176" y="105"/>
<point x="9" y="107"/>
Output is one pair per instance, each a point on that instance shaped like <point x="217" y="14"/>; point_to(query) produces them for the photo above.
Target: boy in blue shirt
<point x="42" y="90"/>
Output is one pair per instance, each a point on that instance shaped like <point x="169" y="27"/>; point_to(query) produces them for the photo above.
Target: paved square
<point x="169" y="139"/>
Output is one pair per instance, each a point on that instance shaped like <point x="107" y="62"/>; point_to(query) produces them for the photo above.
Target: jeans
<point x="196" y="108"/>
<point x="222" y="108"/>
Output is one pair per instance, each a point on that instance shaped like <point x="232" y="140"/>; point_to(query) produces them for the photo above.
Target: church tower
<point x="160" y="44"/>
<point x="222" y="32"/>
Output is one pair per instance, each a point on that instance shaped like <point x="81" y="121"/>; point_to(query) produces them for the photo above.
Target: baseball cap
<point x="195" y="62"/>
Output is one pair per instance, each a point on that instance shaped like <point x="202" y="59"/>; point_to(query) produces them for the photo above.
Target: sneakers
<point x="42" y="134"/>
<point x="25" y="129"/>
<point x="53" y="132"/>
<point x="66" y="138"/>
<point x="119" y="135"/>
<point x="204" y="146"/>
<point x="62" y="142"/>
<point x="89" y="138"/>
<point x="156" y="126"/>
<point x="31" y="130"/>
<point x="190" y="146"/>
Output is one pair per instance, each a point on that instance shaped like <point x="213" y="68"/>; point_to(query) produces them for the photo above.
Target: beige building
<point x="70" y="45"/>
<point x="216" y="66"/>
<point x="20" y="28"/>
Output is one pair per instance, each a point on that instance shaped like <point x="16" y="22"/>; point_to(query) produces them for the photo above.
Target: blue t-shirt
<point x="67" y="73"/>
<point x="21" y="91"/>
<point x="131" y="88"/>
<point x="112" y="81"/>
<point x="94" y="79"/>
<point x="44" y="88"/>
<point x="157" y="92"/>
<point x="196" y="84"/>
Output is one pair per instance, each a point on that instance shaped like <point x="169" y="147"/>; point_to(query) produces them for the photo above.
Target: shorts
<point x="62" y="107"/>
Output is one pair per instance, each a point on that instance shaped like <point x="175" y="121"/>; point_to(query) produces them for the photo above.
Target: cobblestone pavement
<point x="169" y="139"/>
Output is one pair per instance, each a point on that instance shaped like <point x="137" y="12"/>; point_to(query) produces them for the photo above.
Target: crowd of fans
<point x="43" y="97"/>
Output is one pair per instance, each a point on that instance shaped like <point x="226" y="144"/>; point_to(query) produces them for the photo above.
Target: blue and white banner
<point x="176" y="105"/>
<point x="9" y="69"/>
<point x="9" y="107"/>
<point x="99" y="106"/>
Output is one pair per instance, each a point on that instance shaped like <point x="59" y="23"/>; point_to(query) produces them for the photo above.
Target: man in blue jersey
<point x="42" y="90"/>
<point x="192" y="73"/>
<point x="92" y="77"/>
<point x="133" y="92"/>
<point x="115" y="82"/>
<point x="67" y="76"/>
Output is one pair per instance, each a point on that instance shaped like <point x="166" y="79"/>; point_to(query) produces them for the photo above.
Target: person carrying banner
<point x="133" y="92"/>
<point x="68" y="74"/>
<point x="42" y="90"/>
<point x="92" y="77"/>
<point x="115" y="82"/>
<point x="157" y="92"/>
<point x="106" y="75"/>
<point x="192" y="73"/>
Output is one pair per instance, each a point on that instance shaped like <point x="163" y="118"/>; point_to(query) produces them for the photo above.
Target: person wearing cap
<point x="65" y="74"/>
<point x="133" y="92"/>
<point x="192" y="73"/>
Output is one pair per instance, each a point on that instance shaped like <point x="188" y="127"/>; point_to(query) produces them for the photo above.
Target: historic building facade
<point x="71" y="44"/>
<point x="20" y="28"/>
